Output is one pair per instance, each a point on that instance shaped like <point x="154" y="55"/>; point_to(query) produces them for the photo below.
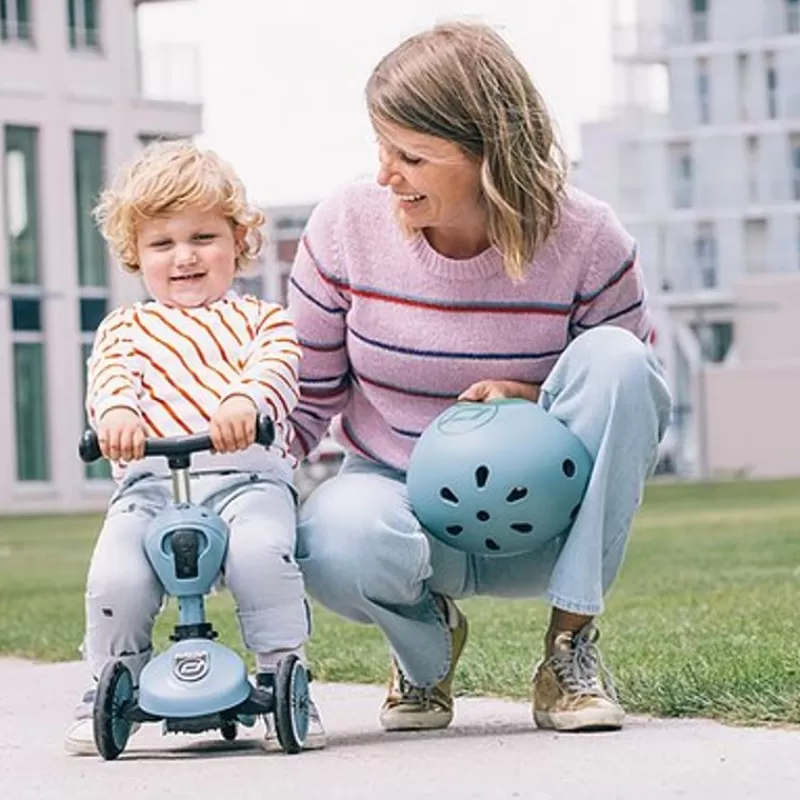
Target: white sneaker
<point x="79" y="739"/>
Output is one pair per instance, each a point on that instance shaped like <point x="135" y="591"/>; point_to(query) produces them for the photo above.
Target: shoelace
<point x="413" y="695"/>
<point x="578" y="668"/>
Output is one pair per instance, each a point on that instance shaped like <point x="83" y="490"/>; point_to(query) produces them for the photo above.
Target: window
<point x="681" y="170"/>
<point x="698" y="10"/>
<point x="752" y="158"/>
<point x="755" y="246"/>
<point x="705" y="249"/>
<point x="743" y="85"/>
<point x="794" y="148"/>
<point x="30" y="417"/>
<point x="89" y="166"/>
<point x="792" y="16"/>
<point x="84" y="31"/>
<point x="703" y="99"/>
<point x="15" y="20"/>
<point x="772" y="86"/>
<point x="715" y="340"/>
<point x="21" y="204"/>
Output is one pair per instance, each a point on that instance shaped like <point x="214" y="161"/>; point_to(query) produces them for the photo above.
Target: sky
<point x="282" y="80"/>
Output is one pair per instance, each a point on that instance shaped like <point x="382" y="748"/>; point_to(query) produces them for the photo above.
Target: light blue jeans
<point x="364" y="555"/>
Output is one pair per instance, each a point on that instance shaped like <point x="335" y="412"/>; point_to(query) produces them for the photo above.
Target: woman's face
<point x="436" y="184"/>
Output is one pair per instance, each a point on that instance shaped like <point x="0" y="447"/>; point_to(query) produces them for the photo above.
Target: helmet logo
<point x="466" y="417"/>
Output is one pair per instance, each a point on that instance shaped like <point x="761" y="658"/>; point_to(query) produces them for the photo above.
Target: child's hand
<point x="121" y="435"/>
<point x="233" y="426"/>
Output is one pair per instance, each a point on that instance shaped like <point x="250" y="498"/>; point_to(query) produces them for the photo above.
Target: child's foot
<point x="79" y="739"/>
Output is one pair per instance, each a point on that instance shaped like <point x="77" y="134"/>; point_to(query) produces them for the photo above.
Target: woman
<point x="470" y="271"/>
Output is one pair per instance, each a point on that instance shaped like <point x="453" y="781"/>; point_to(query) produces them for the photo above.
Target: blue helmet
<point x="497" y="478"/>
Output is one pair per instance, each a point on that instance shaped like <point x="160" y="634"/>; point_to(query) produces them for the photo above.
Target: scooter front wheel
<point x="114" y="695"/>
<point x="292" y="699"/>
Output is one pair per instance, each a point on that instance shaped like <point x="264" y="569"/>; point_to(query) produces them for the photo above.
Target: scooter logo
<point x="191" y="666"/>
<point x="466" y="417"/>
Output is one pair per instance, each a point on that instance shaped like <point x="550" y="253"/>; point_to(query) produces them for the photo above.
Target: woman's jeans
<point x="364" y="555"/>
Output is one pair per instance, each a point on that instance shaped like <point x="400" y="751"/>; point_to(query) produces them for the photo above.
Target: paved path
<point x="491" y="751"/>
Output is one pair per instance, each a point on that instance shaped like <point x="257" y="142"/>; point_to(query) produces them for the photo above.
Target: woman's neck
<point x="464" y="241"/>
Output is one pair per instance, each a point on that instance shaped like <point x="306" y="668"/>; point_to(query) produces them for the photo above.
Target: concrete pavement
<point x="492" y="751"/>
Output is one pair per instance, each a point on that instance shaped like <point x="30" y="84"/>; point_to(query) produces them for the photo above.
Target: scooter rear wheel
<point x="114" y="695"/>
<point x="292" y="698"/>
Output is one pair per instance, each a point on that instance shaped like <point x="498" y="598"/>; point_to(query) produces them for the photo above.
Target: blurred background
<point x="684" y="115"/>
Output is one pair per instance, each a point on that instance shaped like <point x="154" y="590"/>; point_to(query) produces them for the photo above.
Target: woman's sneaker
<point x="414" y="708"/>
<point x="79" y="740"/>
<point x="572" y="690"/>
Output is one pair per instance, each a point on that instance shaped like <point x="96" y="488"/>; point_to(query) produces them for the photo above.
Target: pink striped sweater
<point x="174" y="366"/>
<point x="392" y="332"/>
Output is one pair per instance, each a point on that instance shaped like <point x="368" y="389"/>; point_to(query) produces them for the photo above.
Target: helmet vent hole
<point x="483" y="516"/>
<point x="454" y="530"/>
<point x="481" y="476"/>
<point x="568" y="467"/>
<point x="491" y="544"/>
<point x="448" y="495"/>
<point x="521" y="527"/>
<point x="516" y="494"/>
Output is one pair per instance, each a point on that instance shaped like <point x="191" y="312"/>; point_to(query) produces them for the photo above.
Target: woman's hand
<point x="483" y="391"/>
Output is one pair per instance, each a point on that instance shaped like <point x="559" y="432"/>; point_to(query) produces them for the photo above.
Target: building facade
<point x="75" y="101"/>
<point x="700" y="156"/>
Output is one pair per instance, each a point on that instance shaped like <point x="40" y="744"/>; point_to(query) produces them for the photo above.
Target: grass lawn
<point x="703" y="621"/>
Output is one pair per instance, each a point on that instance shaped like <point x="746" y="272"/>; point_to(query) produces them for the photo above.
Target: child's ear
<point x="239" y="235"/>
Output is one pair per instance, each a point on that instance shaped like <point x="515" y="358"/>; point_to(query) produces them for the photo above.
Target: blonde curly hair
<point x="168" y="177"/>
<point x="460" y="81"/>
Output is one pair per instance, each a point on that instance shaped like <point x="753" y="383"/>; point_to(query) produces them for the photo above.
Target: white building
<point x="77" y="97"/>
<point x="701" y="158"/>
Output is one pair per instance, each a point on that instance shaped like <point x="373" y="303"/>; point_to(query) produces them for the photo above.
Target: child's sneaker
<point x="413" y="708"/>
<point x="79" y="740"/>
<point x="572" y="690"/>
<point x="316" y="738"/>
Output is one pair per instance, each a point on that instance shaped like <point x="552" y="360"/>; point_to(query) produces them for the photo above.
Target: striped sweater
<point x="174" y="366"/>
<point x="392" y="332"/>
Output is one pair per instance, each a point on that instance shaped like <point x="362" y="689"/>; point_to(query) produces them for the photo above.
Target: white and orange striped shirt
<point x="174" y="366"/>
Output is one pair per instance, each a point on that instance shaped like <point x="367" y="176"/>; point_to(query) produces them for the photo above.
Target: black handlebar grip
<point x="89" y="446"/>
<point x="265" y="430"/>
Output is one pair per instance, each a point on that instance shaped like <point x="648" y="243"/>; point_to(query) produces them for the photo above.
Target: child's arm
<point x="270" y="362"/>
<point x="111" y="392"/>
<point x="111" y="381"/>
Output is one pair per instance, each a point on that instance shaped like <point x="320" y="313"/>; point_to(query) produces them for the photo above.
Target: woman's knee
<point x="363" y="540"/>
<point x="613" y="355"/>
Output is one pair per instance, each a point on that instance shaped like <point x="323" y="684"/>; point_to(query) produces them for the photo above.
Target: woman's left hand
<point x="483" y="391"/>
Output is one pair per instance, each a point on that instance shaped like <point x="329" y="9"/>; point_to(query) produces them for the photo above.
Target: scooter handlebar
<point x="174" y="446"/>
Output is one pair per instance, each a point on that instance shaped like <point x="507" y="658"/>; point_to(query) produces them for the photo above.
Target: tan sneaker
<point x="572" y="690"/>
<point x="413" y="708"/>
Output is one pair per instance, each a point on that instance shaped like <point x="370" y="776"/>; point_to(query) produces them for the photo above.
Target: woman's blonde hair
<point x="461" y="81"/>
<point x="166" y="178"/>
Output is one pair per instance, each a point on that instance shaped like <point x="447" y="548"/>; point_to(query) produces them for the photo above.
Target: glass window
<point x="30" y="416"/>
<point x="15" y="20"/>
<point x="26" y="314"/>
<point x="89" y="159"/>
<point x="21" y="204"/>
<point x="92" y="312"/>
<point x="82" y="17"/>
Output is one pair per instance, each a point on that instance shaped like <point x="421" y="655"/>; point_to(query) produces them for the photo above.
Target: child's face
<point x="187" y="259"/>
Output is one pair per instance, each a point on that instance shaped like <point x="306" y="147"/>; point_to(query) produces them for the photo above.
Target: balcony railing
<point x="170" y="72"/>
